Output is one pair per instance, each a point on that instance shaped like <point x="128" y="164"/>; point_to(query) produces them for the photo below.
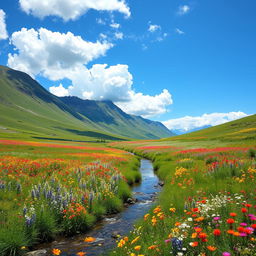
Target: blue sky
<point x="187" y="63"/>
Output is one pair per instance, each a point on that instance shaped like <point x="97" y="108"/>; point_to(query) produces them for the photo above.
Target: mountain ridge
<point x="28" y="108"/>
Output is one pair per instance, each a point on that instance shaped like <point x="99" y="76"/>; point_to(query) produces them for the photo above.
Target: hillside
<point x="111" y="118"/>
<point x="29" y="110"/>
<point x="243" y="129"/>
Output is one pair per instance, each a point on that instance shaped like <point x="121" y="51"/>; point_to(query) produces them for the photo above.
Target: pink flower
<point x="226" y="254"/>
<point x="167" y="241"/>
<point x="243" y="224"/>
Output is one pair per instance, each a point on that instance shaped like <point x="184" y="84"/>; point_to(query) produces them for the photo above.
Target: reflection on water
<point x="120" y="223"/>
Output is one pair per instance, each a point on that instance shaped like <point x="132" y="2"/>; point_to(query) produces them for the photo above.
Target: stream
<point x="121" y="223"/>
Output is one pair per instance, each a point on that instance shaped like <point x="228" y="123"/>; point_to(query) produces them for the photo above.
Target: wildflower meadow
<point x="207" y="206"/>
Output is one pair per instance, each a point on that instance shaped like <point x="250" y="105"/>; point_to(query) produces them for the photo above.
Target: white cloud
<point x="184" y="9"/>
<point x="115" y="83"/>
<point x="52" y="54"/>
<point x="59" y="91"/>
<point x="59" y="56"/>
<point x="189" y="122"/>
<point x="179" y="31"/>
<point x="115" y="25"/>
<point x="3" y="31"/>
<point x="71" y="9"/>
<point x="152" y="28"/>
<point x="119" y="35"/>
<point x="146" y="105"/>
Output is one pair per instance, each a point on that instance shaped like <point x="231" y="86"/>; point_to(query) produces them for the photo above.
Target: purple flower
<point x="226" y="254"/>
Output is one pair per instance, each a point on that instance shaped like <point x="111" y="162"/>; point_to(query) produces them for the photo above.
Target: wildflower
<point x="216" y="232"/>
<point x="56" y="251"/>
<point x="194" y="235"/>
<point x="152" y="247"/>
<point x="244" y="210"/>
<point x="230" y="231"/>
<point x="80" y="253"/>
<point x="146" y="216"/>
<point x="89" y="239"/>
<point x="172" y="210"/>
<point x="135" y="240"/>
<point x="233" y="214"/>
<point x="193" y="244"/>
<point x="211" y="248"/>
<point x="226" y="254"/>
<point x="230" y="221"/>
<point x="137" y="247"/>
<point x="121" y="243"/>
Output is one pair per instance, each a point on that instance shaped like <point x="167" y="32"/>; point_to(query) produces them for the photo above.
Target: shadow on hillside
<point x="97" y="135"/>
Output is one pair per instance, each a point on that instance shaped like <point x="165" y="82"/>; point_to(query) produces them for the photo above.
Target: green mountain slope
<point x="243" y="129"/>
<point x="28" y="110"/>
<point x="113" y="119"/>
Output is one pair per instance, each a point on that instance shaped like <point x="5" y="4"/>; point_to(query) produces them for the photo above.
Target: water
<point x="120" y="223"/>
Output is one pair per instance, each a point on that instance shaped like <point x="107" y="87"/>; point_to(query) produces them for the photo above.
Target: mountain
<point x="183" y="131"/>
<point x="111" y="118"/>
<point x="243" y="129"/>
<point x="29" y="110"/>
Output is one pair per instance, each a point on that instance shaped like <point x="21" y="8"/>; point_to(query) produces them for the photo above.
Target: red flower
<point x="230" y="221"/>
<point x="244" y="210"/>
<point x="233" y="214"/>
<point x="216" y="232"/>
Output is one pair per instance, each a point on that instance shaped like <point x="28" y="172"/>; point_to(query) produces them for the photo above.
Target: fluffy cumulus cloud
<point x="59" y="56"/>
<point x="189" y="122"/>
<point x="71" y="9"/>
<point x="3" y="31"/>
<point x="113" y="83"/>
<point x="183" y="9"/>
<point x="146" y="105"/>
<point x="52" y="54"/>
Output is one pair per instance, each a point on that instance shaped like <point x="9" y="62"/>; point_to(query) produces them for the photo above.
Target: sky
<point x="186" y="63"/>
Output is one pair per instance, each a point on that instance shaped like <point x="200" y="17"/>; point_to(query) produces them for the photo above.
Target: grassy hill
<point x="241" y="130"/>
<point x="29" y="111"/>
<point x="111" y="118"/>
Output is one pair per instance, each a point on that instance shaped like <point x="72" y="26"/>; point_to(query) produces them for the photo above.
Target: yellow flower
<point x="135" y="240"/>
<point x="172" y="210"/>
<point x="121" y="243"/>
<point x="137" y="247"/>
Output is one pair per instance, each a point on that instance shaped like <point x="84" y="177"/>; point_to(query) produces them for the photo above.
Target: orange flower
<point x="211" y="248"/>
<point x="146" y="216"/>
<point x="135" y="240"/>
<point x="194" y="235"/>
<point x="81" y="253"/>
<point x="202" y="235"/>
<point x="230" y="231"/>
<point x="56" y="251"/>
<point x="198" y="230"/>
<point x="152" y="247"/>
<point x="177" y="224"/>
<point x="89" y="239"/>
<point x="233" y="214"/>
<point x="137" y="248"/>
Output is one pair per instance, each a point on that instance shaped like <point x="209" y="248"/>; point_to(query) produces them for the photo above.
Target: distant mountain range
<point x="27" y="108"/>
<point x="183" y="131"/>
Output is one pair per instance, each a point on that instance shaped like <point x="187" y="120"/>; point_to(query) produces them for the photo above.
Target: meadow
<point x="208" y="202"/>
<point x="49" y="189"/>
